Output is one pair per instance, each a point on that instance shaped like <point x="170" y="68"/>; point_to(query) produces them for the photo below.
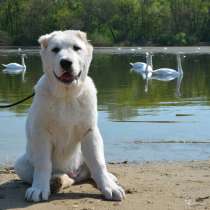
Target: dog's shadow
<point x="12" y="195"/>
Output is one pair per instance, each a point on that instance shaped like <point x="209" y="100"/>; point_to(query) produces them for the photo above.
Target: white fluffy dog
<point x="64" y="143"/>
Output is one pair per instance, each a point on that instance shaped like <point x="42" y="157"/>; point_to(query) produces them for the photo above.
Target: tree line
<point x="108" y="22"/>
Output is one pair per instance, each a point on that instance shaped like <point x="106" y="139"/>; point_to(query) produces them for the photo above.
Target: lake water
<point x="160" y="124"/>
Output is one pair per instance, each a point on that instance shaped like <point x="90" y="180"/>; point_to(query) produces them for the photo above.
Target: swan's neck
<point x="150" y="61"/>
<point x="179" y="65"/>
<point x="23" y="61"/>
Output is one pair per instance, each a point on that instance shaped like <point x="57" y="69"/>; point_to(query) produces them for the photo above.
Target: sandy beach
<point x="149" y="186"/>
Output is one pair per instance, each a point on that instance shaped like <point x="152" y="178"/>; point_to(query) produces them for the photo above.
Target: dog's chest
<point x="67" y="120"/>
<point x="66" y="113"/>
<point x="65" y="128"/>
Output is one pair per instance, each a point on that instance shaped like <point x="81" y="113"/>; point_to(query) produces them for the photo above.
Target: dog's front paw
<point x="36" y="194"/>
<point x="112" y="191"/>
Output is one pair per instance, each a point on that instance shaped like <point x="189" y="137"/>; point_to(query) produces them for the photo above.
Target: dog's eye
<point x="76" y="48"/>
<point x="56" y="49"/>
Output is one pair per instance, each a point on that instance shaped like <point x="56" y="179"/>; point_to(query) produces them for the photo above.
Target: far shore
<point x="149" y="185"/>
<point x="120" y="49"/>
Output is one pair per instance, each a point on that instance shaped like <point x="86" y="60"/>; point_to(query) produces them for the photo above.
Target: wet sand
<point x="149" y="186"/>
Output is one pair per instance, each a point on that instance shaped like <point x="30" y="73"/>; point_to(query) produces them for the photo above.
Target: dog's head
<point x="66" y="56"/>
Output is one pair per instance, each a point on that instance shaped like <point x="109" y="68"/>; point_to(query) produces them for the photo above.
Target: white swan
<point x="15" y="67"/>
<point x="168" y="74"/>
<point x="140" y="67"/>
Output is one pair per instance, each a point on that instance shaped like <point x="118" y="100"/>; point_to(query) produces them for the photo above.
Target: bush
<point x="180" y="39"/>
<point x="102" y="39"/>
<point x="5" y="39"/>
<point x="165" y="39"/>
<point x="192" y="40"/>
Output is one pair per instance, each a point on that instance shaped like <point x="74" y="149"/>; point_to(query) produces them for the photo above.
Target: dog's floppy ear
<point x="82" y="35"/>
<point x="43" y="40"/>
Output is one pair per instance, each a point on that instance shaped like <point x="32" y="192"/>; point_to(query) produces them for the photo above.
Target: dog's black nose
<point x="65" y="64"/>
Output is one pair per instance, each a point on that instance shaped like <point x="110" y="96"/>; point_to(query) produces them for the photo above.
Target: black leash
<point x="18" y="102"/>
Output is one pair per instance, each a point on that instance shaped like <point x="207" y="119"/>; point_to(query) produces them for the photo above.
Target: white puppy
<point x="64" y="142"/>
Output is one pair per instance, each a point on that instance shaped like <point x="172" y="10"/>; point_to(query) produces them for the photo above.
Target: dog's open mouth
<point x="67" y="77"/>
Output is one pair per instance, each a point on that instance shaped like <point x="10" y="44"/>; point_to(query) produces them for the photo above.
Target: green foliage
<point x="5" y="39"/>
<point x="108" y="22"/>
<point x="180" y="38"/>
<point x="102" y="38"/>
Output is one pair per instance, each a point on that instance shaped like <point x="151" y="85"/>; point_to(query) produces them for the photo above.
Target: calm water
<point x="136" y="126"/>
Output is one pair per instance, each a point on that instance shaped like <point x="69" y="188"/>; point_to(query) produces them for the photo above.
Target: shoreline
<point x="173" y="185"/>
<point x="137" y="49"/>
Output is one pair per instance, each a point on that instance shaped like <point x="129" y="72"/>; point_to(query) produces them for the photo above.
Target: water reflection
<point x="142" y="68"/>
<point x="116" y="86"/>
<point x="126" y="112"/>
<point x="14" y="73"/>
<point x="16" y="67"/>
<point x="14" y="87"/>
<point x="178" y="83"/>
<point x="162" y="74"/>
<point x="167" y="74"/>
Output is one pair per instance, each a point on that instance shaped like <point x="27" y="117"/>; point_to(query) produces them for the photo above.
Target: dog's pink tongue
<point x="66" y="76"/>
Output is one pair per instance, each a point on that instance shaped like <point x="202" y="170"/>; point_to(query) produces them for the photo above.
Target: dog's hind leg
<point x="83" y="174"/>
<point x="59" y="182"/>
<point x="65" y="180"/>
<point x="24" y="169"/>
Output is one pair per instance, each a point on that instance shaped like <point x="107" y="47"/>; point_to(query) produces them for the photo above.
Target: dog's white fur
<point x="62" y="133"/>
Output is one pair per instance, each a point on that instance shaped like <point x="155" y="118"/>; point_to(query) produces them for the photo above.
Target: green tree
<point x="108" y="22"/>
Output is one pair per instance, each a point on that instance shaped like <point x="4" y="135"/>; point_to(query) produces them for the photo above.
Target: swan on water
<point x="15" y="67"/>
<point x="140" y="67"/>
<point x="167" y="74"/>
